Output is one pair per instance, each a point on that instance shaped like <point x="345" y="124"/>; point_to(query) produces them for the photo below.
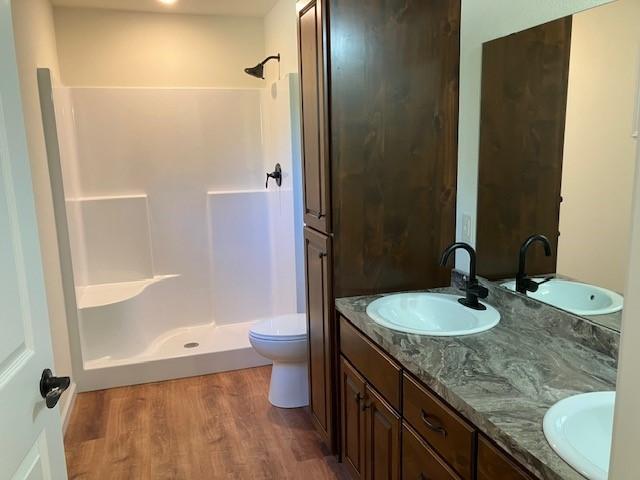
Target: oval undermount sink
<point x="579" y="429"/>
<point x="431" y="314"/>
<point x="575" y="297"/>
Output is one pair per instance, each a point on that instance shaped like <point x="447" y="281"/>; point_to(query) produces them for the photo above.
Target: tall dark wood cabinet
<point x="379" y="109"/>
<point x="315" y="142"/>
<point x="319" y="317"/>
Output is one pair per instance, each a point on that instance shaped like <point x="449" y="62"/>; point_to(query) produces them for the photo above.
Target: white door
<point x="30" y="433"/>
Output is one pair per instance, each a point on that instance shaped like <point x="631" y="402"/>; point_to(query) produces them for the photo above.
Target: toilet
<point x="283" y="340"/>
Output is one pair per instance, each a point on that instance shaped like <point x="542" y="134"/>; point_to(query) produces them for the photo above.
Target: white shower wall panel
<point x="281" y="130"/>
<point x="174" y="145"/>
<point x="241" y="249"/>
<point x="117" y="243"/>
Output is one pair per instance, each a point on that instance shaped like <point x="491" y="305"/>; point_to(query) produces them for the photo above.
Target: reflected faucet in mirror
<point x="525" y="284"/>
<point x="472" y="288"/>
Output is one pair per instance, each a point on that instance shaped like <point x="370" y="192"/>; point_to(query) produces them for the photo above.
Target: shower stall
<point x="176" y="246"/>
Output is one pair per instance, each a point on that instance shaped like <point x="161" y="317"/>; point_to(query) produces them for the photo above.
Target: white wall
<point x="599" y="150"/>
<point x="116" y="48"/>
<point x="36" y="47"/>
<point x="626" y="429"/>
<point x="483" y="21"/>
<point x="281" y="36"/>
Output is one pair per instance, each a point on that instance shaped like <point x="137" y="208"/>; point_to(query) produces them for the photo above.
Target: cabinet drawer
<point x="449" y="435"/>
<point x="420" y="462"/>
<point x="379" y="370"/>
<point x="492" y="463"/>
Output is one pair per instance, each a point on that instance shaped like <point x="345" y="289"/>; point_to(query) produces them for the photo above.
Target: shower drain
<point x="191" y="345"/>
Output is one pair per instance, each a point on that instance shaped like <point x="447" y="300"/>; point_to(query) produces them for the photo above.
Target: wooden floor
<point x="211" y="427"/>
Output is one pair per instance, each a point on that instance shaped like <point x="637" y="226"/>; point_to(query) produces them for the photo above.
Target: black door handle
<point x="52" y="388"/>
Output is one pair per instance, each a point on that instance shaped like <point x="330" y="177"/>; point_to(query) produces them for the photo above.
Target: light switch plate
<point x="467" y="223"/>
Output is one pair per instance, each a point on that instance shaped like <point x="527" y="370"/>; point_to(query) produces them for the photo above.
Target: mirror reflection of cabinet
<point x="524" y="100"/>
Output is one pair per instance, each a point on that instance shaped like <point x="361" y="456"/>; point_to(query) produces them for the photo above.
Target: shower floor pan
<point x="178" y="353"/>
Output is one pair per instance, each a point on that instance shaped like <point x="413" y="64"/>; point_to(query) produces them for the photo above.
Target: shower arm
<point x="272" y="57"/>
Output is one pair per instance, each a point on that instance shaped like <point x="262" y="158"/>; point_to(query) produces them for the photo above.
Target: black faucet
<point x="472" y="288"/>
<point x="525" y="284"/>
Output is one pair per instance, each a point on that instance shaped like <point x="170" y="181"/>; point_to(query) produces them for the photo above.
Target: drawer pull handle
<point x="431" y="422"/>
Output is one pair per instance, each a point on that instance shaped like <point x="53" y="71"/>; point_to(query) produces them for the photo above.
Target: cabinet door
<point x="352" y="398"/>
<point x="314" y="142"/>
<point x="318" y="278"/>
<point x="492" y="463"/>
<point x="382" y="439"/>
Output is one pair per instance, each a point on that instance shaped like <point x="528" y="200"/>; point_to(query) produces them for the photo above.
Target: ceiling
<point x="254" y="8"/>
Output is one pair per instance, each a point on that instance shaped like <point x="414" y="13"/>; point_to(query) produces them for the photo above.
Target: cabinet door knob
<point x="322" y="254"/>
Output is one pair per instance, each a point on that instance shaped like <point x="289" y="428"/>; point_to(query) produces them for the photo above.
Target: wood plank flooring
<point x="210" y="427"/>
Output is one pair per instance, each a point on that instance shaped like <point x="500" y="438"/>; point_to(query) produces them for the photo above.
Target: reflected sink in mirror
<point x="580" y="430"/>
<point x="575" y="297"/>
<point x="432" y="314"/>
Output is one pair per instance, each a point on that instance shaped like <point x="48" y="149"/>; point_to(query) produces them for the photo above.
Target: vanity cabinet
<point x="352" y="393"/>
<point x="393" y="427"/>
<point x="441" y="427"/>
<point x="420" y="461"/>
<point x="370" y="428"/>
<point x="492" y="463"/>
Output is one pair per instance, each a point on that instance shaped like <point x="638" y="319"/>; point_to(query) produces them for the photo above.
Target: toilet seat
<point x="281" y="328"/>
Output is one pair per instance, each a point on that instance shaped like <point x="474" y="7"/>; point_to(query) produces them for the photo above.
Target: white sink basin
<point x="431" y="314"/>
<point x="579" y="429"/>
<point x="575" y="297"/>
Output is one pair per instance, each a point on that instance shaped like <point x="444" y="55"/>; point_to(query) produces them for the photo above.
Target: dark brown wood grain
<point x="524" y="98"/>
<point x="419" y="461"/>
<point x="315" y="163"/>
<point x="492" y="464"/>
<point x="455" y="438"/>
<point x="382" y="438"/>
<point x="376" y="366"/>
<point x="352" y="398"/>
<point x="202" y="428"/>
<point x="393" y="86"/>
<point x="321" y="332"/>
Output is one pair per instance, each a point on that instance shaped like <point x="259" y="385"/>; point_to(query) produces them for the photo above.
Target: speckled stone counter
<point x="504" y="380"/>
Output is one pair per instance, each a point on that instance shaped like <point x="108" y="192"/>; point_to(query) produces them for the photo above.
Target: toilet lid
<point x="281" y="327"/>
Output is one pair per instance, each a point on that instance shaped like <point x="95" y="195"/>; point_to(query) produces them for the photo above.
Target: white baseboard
<point x="71" y="395"/>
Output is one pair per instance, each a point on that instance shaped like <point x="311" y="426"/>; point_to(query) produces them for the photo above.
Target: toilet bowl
<point x="283" y="340"/>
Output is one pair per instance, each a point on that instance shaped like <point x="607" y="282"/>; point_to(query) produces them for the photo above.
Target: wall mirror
<point x="558" y="140"/>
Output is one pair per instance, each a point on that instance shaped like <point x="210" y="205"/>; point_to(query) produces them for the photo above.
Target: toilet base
<point x="289" y="385"/>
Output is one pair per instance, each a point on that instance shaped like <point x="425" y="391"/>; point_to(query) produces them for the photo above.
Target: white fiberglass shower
<point x="176" y="245"/>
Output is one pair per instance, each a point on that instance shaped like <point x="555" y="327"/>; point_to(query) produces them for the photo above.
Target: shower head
<point x="258" y="70"/>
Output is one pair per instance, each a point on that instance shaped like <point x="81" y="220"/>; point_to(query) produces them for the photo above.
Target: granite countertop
<point x="504" y="380"/>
